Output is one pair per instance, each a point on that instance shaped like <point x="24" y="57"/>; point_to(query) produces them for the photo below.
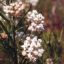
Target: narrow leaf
<point x="5" y="18"/>
<point x="4" y="28"/>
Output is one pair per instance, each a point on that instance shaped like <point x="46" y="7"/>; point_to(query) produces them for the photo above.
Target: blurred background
<point x="53" y="10"/>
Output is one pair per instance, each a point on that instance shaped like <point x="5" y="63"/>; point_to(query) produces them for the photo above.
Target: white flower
<point x="28" y="14"/>
<point x="41" y="50"/>
<point x="33" y="2"/>
<point x="30" y="49"/>
<point x="40" y="27"/>
<point x="7" y="15"/>
<point x="26" y="41"/>
<point x="23" y="53"/>
<point x="37" y="22"/>
<point x="35" y="52"/>
<point x="13" y="4"/>
<point x="6" y="9"/>
<point x="15" y="9"/>
<point x="34" y="12"/>
<point x="29" y="55"/>
<point x="39" y="54"/>
<point x="34" y="59"/>
<point x="22" y="7"/>
<point x="33" y="44"/>
<point x="31" y="28"/>
<point x="35" y="19"/>
<point x="28" y="38"/>
<point x="20" y="2"/>
<point x="32" y="16"/>
<point x="27" y="44"/>
<point x="40" y="17"/>
<point x="24" y="47"/>
<point x="49" y="61"/>
<point x="38" y="44"/>
<point x="42" y="21"/>
<point x="33" y="24"/>
<point x="34" y="39"/>
<point x="39" y="40"/>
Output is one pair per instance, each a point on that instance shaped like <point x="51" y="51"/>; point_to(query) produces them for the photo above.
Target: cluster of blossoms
<point x="35" y="21"/>
<point x="32" y="48"/>
<point x="3" y="36"/>
<point x="49" y="61"/>
<point x="33" y="2"/>
<point x="16" y="8"/>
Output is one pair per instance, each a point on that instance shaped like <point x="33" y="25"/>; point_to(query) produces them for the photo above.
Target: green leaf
<point x="4" y="28"/>
<point x="5" y="18"/>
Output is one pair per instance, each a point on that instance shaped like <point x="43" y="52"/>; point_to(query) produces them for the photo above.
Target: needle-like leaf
<point x="5" y="18"/>
<point x="4" y="28"/>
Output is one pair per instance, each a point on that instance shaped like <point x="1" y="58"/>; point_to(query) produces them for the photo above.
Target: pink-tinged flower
<point x="35" y="21"/>
<point x="29" y="55"/>
<point x="38" y="44"/>
<point x="33" y="2"/>
<point x="35" y="52"/>
<point x="49" y="61"/>
<point x="41" y="50"/>
<point x="28" y="38"/>
<point x="15" y="9"/>
<point x="24" y="53"/>
<point x="32" y="47"/>
<point x="4" y="36"/>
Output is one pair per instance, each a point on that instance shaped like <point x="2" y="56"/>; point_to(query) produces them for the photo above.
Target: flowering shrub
<point x="32" y="48"/>
<point x="23" y="33"/>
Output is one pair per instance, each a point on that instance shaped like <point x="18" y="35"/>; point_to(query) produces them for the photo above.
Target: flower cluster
<point x="16" y="8"/>
<point x="35" y="21"/>
<point x="49" y="61"/>
<point x="33" y="2"/>
<point x="3" y="36"/>
<point x="32" y="48"/>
